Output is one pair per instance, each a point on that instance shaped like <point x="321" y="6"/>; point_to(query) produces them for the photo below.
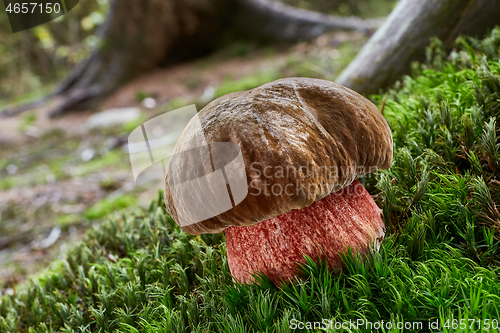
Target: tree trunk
<point x="405" y="34"/>
<point x="139" y="35"/>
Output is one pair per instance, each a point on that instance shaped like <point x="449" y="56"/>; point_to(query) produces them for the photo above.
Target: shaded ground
<point x="57" y="177"/>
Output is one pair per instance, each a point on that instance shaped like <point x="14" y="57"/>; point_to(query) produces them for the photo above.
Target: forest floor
<point x="58" y="177"/>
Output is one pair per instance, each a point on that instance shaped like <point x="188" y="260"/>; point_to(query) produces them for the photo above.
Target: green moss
<point x="28" y="120"/>
<point x="440" y="260"/>
<point x="107" y="206"/>
<point x="113" y="158"/>
<point x="7" y="183"/>
<point x="248" y="82"/>
<point x="65" y="220"/>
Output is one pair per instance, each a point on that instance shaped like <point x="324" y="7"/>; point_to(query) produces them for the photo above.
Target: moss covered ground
<point x="437" y="269"/>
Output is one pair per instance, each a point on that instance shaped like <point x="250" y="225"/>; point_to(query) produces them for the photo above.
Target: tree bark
<point x="405" y="34"/>
<point x="139" y="35"/>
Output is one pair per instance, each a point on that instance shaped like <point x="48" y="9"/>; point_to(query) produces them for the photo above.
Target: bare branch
<point x="276" y="21"/>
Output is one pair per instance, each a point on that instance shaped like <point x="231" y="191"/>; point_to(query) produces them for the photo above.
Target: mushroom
<point x="302" y="144"/>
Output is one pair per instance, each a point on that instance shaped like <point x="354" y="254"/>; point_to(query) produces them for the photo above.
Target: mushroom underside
<point x="346" y="218"/>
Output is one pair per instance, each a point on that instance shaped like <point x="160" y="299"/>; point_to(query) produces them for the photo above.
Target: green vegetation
<point x="107" y="206"/>
<point x="440" y="260"/>
<point x="29" y="120"/>
<point x="246" y="83"/>
<point x="112" y="158"/>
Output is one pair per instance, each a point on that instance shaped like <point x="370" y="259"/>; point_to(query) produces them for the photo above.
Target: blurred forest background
<point x="58" y="177"/>
<point x="33" y="61"/>
<point x="73" y="89"/>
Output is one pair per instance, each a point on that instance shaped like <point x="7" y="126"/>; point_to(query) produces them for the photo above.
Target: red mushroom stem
<point x="346" y="218"/>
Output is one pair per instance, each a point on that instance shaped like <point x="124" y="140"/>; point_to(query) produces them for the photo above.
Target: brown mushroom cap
<point x="323" y="134"/>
